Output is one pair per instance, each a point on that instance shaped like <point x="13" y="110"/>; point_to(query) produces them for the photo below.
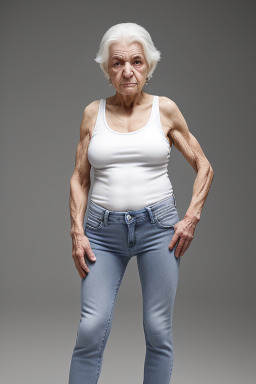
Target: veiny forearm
<point x="201" y="189"/>
<point x="79" y="192"/>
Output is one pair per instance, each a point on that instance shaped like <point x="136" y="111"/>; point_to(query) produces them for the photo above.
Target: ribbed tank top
<point x="130" y="168"/>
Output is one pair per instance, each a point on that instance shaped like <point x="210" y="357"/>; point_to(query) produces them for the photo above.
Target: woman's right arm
<point x="79" y="191"/>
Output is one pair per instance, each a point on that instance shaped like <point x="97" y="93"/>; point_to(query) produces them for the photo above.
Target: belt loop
<point x="105" y="218"/>
<point x="151" y="215"/>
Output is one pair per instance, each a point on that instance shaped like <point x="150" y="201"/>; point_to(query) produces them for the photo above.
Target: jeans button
<point x="129" y="217"/>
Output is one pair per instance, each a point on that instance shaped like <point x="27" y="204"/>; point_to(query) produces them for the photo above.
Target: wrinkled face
<point x="127" y="67"/>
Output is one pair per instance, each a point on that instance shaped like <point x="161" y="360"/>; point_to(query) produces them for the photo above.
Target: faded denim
<point x="115" y="237"/>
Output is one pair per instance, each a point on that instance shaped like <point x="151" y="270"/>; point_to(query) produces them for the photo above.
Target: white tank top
<point x="130" y="168"/>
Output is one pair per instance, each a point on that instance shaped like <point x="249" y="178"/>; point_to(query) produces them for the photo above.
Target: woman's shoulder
<point x="167" y="106"/>
<point x="168" y="110"/>
<point x="166" y="102"/>
<point x="90" y="117"/>
<point x="91" y="109"/>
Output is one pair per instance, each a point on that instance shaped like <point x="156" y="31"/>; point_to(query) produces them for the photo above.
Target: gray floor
<point x="213" y="344"/>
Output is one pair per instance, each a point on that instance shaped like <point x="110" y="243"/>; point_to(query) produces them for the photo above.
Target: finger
<point x="81" y="271"/>
<point x="179" y="247"/>
<point x="89" y="252"/>
<point x="79" y="256"/>
<point x="83" y="264"/>
<point x="185" y="247"/>
<point x="82" y="274"/>
<point x="174" y="240"/>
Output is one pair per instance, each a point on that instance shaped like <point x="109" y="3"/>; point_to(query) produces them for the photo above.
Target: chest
<point x="132" y="121"/>
<point x="146" y="148"/>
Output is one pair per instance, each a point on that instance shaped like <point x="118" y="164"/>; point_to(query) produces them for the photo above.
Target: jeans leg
<point x="98" y="295"/>
<point x="159" y="271"/>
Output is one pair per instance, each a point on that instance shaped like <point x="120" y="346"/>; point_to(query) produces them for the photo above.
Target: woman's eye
<point x="116" y="63"/>
<point x="137" y="61"/>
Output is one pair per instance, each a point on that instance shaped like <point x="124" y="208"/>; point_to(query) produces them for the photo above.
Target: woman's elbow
<point x="206" y="167"/>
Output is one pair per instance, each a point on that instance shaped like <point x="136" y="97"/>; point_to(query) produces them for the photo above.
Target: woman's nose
<point x="127" y="72"/>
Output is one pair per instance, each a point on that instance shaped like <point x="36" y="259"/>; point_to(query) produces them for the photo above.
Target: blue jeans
<point x="115" y="237"/>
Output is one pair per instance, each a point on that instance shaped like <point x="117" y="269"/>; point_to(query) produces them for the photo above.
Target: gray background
<point x="48" y="76"/>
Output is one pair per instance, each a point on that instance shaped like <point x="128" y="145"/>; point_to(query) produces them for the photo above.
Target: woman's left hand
<point x="184" y="234"/>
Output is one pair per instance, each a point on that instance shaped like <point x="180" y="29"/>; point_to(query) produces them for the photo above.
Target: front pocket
<point x="167" y="218"/>
<point x="94" y="221"/>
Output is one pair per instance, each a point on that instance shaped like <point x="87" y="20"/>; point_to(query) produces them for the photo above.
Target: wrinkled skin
<point x="128" y="65"/>
<point x="184" y="234"/>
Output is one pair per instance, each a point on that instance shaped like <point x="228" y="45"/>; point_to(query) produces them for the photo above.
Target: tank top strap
<point x="153" y="119"/>
<point x="99" y="125"/>
<point x="155" y="106"/>
<point x="156" y="109"/>
<point x="157" y="121"/>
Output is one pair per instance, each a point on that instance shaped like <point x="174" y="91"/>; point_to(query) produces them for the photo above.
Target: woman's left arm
<point x="188" y="145"/>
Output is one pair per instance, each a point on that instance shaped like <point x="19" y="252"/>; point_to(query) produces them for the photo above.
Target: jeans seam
<point x="172" y="358"/>
<point x="107" y="326"/>
<point x="160" y="225"/>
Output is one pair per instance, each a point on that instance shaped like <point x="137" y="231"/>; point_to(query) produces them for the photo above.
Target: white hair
<point x="130" y="32"/>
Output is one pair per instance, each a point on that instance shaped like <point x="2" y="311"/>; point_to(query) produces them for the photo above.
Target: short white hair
<point x="130" y="32"/>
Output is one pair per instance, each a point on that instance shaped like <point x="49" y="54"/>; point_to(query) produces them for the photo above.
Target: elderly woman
<point x="132" y="211"/>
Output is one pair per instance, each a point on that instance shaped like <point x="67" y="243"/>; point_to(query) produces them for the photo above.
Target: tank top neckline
<point x="128" y="133"/>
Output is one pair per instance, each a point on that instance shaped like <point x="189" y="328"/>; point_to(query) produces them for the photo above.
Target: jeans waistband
<point x="128" y="216"/>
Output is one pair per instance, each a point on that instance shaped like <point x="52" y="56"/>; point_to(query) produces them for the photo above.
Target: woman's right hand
<point x="80" y="247"/>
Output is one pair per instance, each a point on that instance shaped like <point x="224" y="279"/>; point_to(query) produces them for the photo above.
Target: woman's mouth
<point x="129" y="84"/>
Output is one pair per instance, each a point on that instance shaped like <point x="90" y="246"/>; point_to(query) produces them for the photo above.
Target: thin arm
<point x="188" y="145"/>
<point x="80" y="180"/>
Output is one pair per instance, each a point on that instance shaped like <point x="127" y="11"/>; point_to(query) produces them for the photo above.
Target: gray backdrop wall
<point x="48" y="76"/>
